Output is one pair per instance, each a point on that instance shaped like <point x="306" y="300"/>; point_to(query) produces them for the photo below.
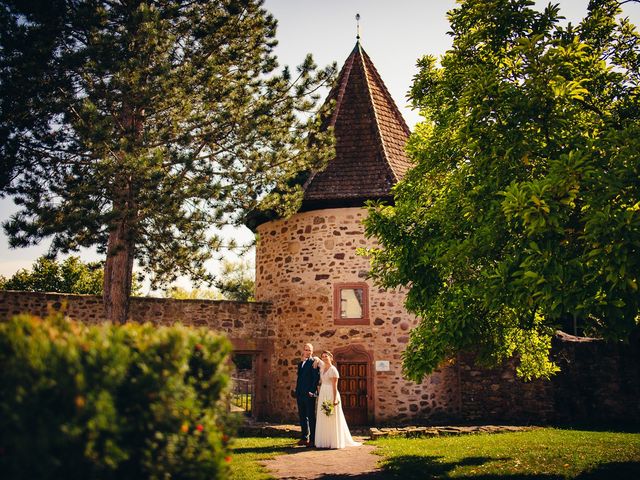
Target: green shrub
<point x="126" y="402"/>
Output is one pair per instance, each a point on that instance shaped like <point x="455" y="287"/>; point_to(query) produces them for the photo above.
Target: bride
<point x="331" y="426"/>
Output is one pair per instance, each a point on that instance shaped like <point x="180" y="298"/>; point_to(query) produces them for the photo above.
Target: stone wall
<point x="599" y="382"/>
<point x="299" y="262"/>
<point x="242" y="320"/>
<point x="497" y="395"/>
<point x="246" y="324"/>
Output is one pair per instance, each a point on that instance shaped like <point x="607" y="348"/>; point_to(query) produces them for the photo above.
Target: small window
<point x="351" y="304"/>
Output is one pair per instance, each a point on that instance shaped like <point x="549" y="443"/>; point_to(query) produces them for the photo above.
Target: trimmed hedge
<point x="126" y="402"/>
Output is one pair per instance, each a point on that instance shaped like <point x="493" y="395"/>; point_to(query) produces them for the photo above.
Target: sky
<point x="395" y="34"/>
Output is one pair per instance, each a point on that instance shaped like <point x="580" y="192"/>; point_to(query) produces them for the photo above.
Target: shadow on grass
<point x="613" y="470"/>
<point x="264" y="450"/>
<point x="417" y="467"/>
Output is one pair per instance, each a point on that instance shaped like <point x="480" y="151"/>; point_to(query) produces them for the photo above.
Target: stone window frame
<point x="337" y="289"/>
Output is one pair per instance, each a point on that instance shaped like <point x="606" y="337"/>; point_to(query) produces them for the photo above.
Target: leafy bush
<point x="126" y="402"/>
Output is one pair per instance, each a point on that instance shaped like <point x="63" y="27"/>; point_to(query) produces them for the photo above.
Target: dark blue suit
<point x="307" y="382"/>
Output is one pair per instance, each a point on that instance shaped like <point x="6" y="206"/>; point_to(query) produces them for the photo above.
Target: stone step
<point x="264" y="429"/>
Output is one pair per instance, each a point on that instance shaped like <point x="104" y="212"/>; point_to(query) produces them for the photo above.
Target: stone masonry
<point x="247" y="325"/>
<point x="299" y="261"/>
<point x="599" y="381"/>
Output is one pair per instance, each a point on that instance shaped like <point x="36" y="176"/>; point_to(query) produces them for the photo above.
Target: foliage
<point x="180" y="293"/>
<point x="246" y="453"/>
<point x="522" y="214"/>
<point x="235" y="282"/>
<point x="69" y="276"/>
<point x="138" y="126"/>
<point x="127" y="402"/>
<point x="542" y="453"/>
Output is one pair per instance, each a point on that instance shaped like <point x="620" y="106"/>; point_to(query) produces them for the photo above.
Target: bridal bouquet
<point x="327" y="407"/>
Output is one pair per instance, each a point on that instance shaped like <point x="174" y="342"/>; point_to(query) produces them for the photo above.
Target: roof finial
<point x="358" y="26"/>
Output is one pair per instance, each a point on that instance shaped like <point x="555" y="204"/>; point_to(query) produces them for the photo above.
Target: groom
<point x="306" y="387"/>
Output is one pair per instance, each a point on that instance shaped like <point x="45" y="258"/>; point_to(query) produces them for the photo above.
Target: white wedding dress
<point x="332" y="430"/>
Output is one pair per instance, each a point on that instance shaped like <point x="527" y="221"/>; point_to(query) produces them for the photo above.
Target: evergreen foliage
<point x="111" y="402"/>
<point x="138" y="127"/>
<point x="237" y="281"/>
<point x="522" y="214"/>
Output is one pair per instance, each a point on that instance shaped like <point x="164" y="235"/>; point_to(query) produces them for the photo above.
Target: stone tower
<point x="307" y="267"/>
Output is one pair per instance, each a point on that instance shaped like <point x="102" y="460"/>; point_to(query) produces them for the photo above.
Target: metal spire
<point x="358" y="26"/>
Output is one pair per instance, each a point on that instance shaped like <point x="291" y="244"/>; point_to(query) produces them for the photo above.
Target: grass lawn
<point x="545" y="454"/>
<point x="538" y="454"/>
<point x="247" y="452"/>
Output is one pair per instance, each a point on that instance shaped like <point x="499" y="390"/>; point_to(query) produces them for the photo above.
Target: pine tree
<point x="139" y="126"/>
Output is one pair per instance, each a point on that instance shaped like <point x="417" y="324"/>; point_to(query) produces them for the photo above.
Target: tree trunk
<point x="118" y="271"/>
<point x="118" y="268"/>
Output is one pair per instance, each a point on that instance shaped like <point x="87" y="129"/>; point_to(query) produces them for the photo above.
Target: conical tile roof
<point x="370" y="140"/>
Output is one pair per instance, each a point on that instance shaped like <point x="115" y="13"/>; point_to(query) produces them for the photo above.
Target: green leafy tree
<point x="522" y="214"/>
<point x="69" y="276"/>
<point x="180" y="293"/>
<point x="138" y="126"/>
<point x="235" y="282"/>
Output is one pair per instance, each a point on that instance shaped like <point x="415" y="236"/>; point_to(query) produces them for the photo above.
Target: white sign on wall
<point x="382" y="365"/>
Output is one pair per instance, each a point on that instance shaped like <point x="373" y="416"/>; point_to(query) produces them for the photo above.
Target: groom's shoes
<point x="303" y="442"/>
<point x="310" y="445"/>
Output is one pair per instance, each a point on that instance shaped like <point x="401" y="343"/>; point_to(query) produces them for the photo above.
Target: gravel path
<point x="301" y="463"/>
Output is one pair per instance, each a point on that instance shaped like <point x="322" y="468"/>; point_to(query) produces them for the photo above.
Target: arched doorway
<point x="355" y="384"/>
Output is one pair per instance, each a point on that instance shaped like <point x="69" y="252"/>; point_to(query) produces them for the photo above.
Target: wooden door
<point x="353" y="391"/>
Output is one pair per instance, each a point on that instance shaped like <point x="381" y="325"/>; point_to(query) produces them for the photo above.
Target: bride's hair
<point x="329" y="354"/>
